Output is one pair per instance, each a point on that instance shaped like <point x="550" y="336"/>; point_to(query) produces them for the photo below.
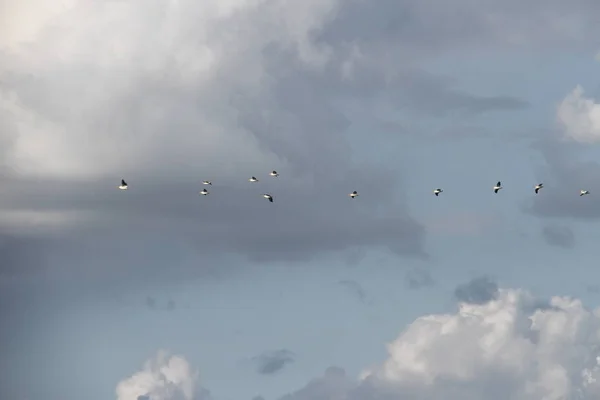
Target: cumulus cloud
<point x="270" y="362"/>
<point x="512" y="346"/>
<point x="580" y="117"/>
<point x="505" y="348"/>
<point x="165" y="377"/>
<point x="557" y="235"/>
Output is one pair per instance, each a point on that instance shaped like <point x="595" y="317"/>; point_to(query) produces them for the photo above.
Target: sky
<point x="158" y="293"/>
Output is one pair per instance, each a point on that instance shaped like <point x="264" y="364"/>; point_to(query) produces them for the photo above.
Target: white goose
<point x="268" y="197"/>
<point x="437" y="191"/>
<point x="123" y="185"/>
<point x="497" y="187"/>
<point x="274" y="173"/>
<point x="353" y="194"/>
<point x="206" y="182"/>
<point x="538" y="187"/>
<point x="583" y="192"/>
<point x="253" y="179"/>
<point x="204" y="192"/>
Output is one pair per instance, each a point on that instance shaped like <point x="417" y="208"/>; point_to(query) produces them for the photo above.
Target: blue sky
<point x="95" y="281"/>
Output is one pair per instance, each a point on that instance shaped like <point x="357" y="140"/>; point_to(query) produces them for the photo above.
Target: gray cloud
<point x="477" y="291"/>
<point x="561" y="236"/>
<point x="227" y="105"/>
<point x="270" y="362"/>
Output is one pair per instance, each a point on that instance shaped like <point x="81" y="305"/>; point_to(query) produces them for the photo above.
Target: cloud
<point x="170" y="95"/>
<point x="271" y="362"/>
<point x="355" y="288"/>
<point x="505" y="348"/>
<point x="513" y="346"/>
<point x="477" y="291"/>
<point x="417" y="278"/>
<point x="567" y="174"/>
<point x="165" y="377"/>
<point x="561" y="236"/>
<point x="580" y="117"/>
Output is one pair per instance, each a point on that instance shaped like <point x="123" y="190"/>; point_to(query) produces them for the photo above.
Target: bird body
<point x="204" y="192"/>
<point x="353" y="194"/>
<point x="538" y="187"/>
<point x="268" y="197"/>
<point x="437" y="191"/>
<point x="274" y="173"/>
<point x="583" y="192"/>
<point x="123" y="185"/>
<point x="253" y="179"/>
<point x="497" y="187"/>
<point x="206" y="182"/>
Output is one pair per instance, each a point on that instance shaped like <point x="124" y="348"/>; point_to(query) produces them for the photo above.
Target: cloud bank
<point x="508" y="347"/>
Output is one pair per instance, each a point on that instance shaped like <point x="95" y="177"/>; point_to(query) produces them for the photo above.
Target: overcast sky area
<point x="158" y="293"/>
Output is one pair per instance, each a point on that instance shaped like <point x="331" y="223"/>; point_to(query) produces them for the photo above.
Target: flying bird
<point x="497" y="187"/>
<point x="437" y="191"/>
<point x="268" y="197"/>
<point x="353" y="194"/>
<point x="204" y="192"/>
<point x="123" y="185"/>
<point x="583" y="192"/>
<point x="253" y="179"/>
<point x="274" y="173"/>
<point x="538" y="187"/>
<point x="206" y="182"/>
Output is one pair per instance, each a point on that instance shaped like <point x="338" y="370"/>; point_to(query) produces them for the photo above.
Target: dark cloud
<point x="271" y="362"/>
<point x="418" y="278"/>
<point x="561" y="236"/>
<point x="477" y="291"/>
<point x="270" y="101"/>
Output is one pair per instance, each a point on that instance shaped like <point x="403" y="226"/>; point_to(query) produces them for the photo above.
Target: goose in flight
<point x="437" y="191"/>
<point x="497" y="187"/>
<point x="123" y="185"/>
<point x="274" y="173"/>
<point x="538" y="187"/>
<point x="204" y="192"/>
<point x="206" y="182"/>
<point x="583" y="192"/>
<point x="268" y="197"/>
<point x="353" y="194"/>
<point x="253" y="179"/>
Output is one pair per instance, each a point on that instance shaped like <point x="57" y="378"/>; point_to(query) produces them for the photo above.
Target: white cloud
<point x="166" y="377"/>
<point x="580" y="117"/>
<point x="513" y="347"/>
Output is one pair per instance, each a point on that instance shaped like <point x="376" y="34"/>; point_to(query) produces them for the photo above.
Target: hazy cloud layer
<point x="560" y="236"/>
<point x="355" y="289"/>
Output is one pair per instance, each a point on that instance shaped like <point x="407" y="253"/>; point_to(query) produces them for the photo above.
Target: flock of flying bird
<point x="354" y="194"/>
